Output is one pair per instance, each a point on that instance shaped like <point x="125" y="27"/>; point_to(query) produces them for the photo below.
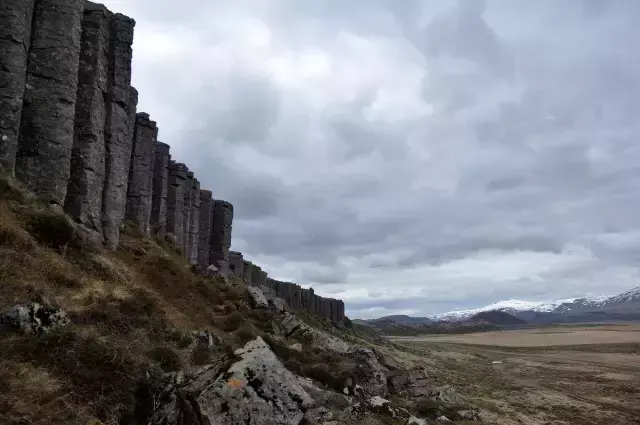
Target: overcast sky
<point x="408" y="156"/>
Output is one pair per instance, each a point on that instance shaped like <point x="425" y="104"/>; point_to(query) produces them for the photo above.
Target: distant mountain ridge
<point x="624" y="306"/>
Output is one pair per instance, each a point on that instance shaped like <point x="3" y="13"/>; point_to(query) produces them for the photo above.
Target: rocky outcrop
<point x="48" y="111"/>
<point x="205" y="221"/>
<point x="194" y="222"/>
<point x="255" y="390"/>
<point x="247" y="272"/>
<point x="236" y="264"/>
<point x="186" y="214"/>
<point x="257" y="298"/>
<point x="160" y="189"/>
<point x="221" y="234"/>
<point x="33" y="318"/>
<point x="15" y="39"/>
<point x="140" y="190"/>
<point x="122" y="102"/>
<point x="175" y="201"/>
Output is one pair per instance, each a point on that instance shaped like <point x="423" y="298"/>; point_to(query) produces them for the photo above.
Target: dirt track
<point x="560" y="383"/>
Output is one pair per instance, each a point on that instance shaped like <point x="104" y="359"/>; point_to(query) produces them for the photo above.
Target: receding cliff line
<point x="70" y="131"/>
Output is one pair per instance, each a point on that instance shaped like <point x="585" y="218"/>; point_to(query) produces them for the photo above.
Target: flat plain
<point x="577" y="374"/>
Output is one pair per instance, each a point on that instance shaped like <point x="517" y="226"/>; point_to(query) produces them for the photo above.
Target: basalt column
<point x="120" y="129"/>
<point x="248" y="272"/>
<point x="334" y="310"/>
<point x="140" y="189"/>
<point x="160" y="189"/>
<point x="15" y="38"/>
<point x="221" y="234"/>
<point x="256" y="274"/>
<point x="49" y="102"/>
<point x="340" y="317"/>
<point x="236" y="264"/>
<point x="194" y="222"/>
<point x="175" y="201"/>
<point x="84" y="191"/>
<point x="186" y="215"/>
<point x="205" y="221"/>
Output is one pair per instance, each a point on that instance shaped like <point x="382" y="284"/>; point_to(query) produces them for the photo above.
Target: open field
<point x="557" y="375"/>
<point x="546" y="336"/>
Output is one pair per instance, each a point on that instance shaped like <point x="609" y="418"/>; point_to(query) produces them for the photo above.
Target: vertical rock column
<point x="256" y="273"/>
<point x="120" y="128"/>
<point x="175" y="201"/>
<point x="87" y="172"/>
<point x="186" y="215"/>
<point x="140" y="189"/>
<point x="49" y="101"/>
<point x="160" y="189"/>
<point x="236" y="264"/>
<point x="205" y="220"/>
<point x="194" y="222"/>
<point x="248" y="272"/>
<point x="340" y="317"/>
<point x="221" y="234"/>
<point x="15" y="38"/>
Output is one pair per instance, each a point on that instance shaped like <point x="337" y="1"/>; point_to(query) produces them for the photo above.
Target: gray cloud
<point x="409" y="156"/>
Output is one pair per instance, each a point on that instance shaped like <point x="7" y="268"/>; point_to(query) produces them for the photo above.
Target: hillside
<point x="497" y="318"/>
<point x="101" y="337"/>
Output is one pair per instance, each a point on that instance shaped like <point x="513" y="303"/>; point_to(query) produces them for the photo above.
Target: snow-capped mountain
<point x="515" y="307"/>
<point x="629" y="297"/>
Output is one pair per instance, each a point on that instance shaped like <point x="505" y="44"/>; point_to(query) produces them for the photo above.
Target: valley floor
<point x="556" y="375"/>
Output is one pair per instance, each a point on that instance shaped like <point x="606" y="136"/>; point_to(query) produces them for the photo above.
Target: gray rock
<point x="445" y="394"/>
<point x="140" y="189"/>
<point x="194" y="222"/>
<point x="48" y="111"/>
<point x="374" y="375"/>
<point x="292" y="326"/>
<point x="296" y="347"/>
<point x="236" y="264"/>
<point x="221" y="234"/>
<point x="443" y="419"/>
<point x="160" y="188"/>
<point x="34" y="318"/>
<point x="248" y="272"/>
<point x="279" y="304"/>
<point x="414" y="383"/>
<point x="186" y="215"/>
<point x="257" y="298"/>
<point x="255" y="390"/>
<point x="416" y="421"/>
<point x="175" y="201"/>
<point x="15" y="38"/>
<point x="86" y="182"/>
<point x="205" y="220"/>
<point x="122" y="102"/>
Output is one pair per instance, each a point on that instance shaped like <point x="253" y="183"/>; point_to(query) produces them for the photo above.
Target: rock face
<point x="120" y="126"/>
<point x="194" y="222"/>
<point x="175" y="201"/>
<point x="48" y="111"/>
<point x="33" y="318"/>
<point x="248" y="272"/>
<point x="84" y="191"/>
<point x="236" y="264"/>
<point x="186" y="215"/>
<point x="141" y="172"/>
<point x="221" y="234"/>
<point x="15" y="39"/>
<point x="255" y="390"/>
<point x="160" y="189"/>
<point x="205" y="221"/>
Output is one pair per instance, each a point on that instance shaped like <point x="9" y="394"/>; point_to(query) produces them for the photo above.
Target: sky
<point x="409" y="157"/>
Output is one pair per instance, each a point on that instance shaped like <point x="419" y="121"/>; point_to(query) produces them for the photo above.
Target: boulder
<point x="412" y="383"/>
<point x="291" y="326"/>
<point x="256" y="389"/>
<point x="372" y="376"/>
<point x="34" y="318"/>
<point x="257" y="298"/>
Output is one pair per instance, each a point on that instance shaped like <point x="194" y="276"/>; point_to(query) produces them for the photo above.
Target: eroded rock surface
<point x="255" y="390"/>
<point x="258" y="300"/>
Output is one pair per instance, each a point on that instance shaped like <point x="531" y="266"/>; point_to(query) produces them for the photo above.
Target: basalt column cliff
<point x="71" y="132"/>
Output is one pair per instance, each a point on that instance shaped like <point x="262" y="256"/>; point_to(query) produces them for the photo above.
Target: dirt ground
<point x="560" y="375"/>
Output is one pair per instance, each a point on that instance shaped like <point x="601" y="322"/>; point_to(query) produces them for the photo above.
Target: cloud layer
<point x="409" y="157"/>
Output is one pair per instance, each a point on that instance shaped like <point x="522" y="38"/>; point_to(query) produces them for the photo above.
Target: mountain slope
<point x="497" y="317"/>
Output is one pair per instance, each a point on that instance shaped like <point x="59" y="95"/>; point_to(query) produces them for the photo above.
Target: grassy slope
<point x="129" y="308"/>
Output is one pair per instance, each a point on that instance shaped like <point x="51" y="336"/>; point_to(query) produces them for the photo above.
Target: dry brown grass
<point x="129" y="309"/>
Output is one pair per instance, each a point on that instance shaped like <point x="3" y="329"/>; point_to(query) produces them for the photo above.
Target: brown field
<point x="554" y="375"/>
<point x="544" y="337"/>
